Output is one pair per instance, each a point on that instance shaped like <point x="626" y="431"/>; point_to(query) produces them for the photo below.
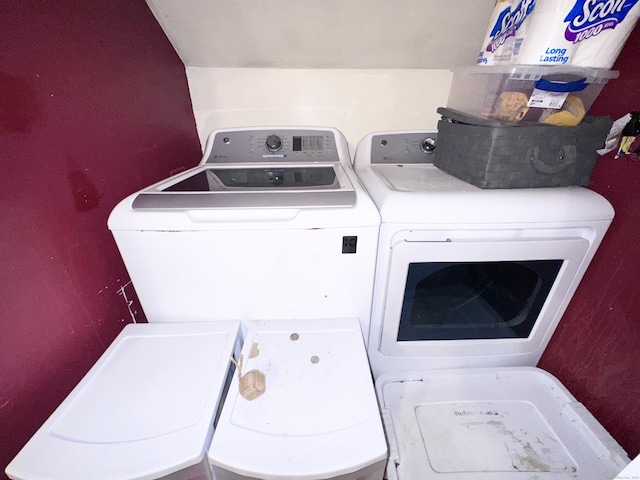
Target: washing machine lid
<point x="493" y="424"/>
<point x="251" y="186"/>
<point x="318" y="416"/>
<point x="275" y="167"/>
<point x="145" y="409"/>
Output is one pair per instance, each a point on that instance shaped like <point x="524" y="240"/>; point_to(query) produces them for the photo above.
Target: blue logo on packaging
<point x="588" y="18"/>
<point x="508" y="22"/>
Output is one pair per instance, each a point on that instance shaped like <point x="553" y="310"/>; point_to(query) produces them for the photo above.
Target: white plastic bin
<point x="553" y="95"/>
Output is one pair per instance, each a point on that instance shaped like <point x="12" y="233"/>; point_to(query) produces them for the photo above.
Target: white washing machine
<point x="272" y="224"/>
<point x="145" y="410"/>
<point x="470" y="285"/>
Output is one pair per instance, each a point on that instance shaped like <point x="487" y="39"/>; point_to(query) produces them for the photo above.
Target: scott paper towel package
<point x="602" y="48"/>
<point x="585" y="33"/>
<point x="508" y="21"/>
<point x="544" y="42"/>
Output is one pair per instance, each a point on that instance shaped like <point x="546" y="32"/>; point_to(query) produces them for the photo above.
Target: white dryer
<point x="272" y="224"/>
<point x="469" y="278"/>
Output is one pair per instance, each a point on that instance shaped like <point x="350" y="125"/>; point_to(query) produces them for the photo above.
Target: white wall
<point x="325" y="33"/>
<point x="357" y="65"/>
<point x="355" y="102"/>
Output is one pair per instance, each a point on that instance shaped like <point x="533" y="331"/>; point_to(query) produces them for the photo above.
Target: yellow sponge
<point x="570" y="115"/>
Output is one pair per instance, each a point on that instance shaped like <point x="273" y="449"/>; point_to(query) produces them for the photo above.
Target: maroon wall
<point x="94" y="105"/>
<point x="595" y="351"/>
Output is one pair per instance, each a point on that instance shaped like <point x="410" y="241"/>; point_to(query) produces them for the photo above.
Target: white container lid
<point x="318" y="416"/>
<point x="493" y="424"/>
<point x="536" y="72"/>
<point x="144" y="410"/>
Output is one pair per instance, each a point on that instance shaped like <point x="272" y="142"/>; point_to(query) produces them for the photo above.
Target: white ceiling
<point x="432" y="34"/>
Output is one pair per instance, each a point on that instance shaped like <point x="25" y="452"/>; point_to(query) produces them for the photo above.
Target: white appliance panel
<point x="253" y="246"/>
<point x="317" y="417"/>
<point x="251" y="274"/>
<point x="505" y="423"/>
<point x="145" y="410"/>
<point x="571" y="251"/>
<point x="431" y="219"/>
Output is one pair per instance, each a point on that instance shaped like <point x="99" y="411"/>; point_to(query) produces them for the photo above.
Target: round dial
<point x="428" y="145"/>
<point x="273" y="143"/>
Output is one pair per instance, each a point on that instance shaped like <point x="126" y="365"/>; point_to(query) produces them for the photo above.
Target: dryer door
<point x="478" y="297"/>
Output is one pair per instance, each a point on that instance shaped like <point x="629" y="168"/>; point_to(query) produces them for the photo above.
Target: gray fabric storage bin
<point x="491" y="155"/>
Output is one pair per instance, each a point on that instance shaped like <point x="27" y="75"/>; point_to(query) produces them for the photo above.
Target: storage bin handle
<point x="556" y="86"/>
<point x="567" y="156"/>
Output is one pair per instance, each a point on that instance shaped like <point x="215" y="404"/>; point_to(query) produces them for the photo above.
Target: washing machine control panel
<point x="273" y="146"/>
<point x="414" y="147"/>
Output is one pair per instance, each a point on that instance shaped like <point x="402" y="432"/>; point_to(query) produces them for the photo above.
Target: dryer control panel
<point x="414" y="147"/>
<point x="289" y="145"/>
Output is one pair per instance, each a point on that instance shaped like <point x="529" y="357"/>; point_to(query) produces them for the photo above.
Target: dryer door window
<point x="485" y="297"/>
<point x="215" y="179"/>
<point x="474" y="300"/>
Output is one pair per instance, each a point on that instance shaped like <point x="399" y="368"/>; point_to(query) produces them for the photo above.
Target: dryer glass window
<point x="474" y="300"/>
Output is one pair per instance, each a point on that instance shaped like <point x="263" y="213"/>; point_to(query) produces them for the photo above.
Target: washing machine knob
<point x="276" y="178"/>
<point x="273" y="143"/>
<point x="428" y="145"/>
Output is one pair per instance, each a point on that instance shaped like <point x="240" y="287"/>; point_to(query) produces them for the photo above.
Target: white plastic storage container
<point x="527" y="94"/>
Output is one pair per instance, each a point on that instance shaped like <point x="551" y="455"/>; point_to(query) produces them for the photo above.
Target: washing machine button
<point x="273" y="143"/>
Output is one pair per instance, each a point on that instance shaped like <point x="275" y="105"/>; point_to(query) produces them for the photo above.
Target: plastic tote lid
<point x="145" y="409"/>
